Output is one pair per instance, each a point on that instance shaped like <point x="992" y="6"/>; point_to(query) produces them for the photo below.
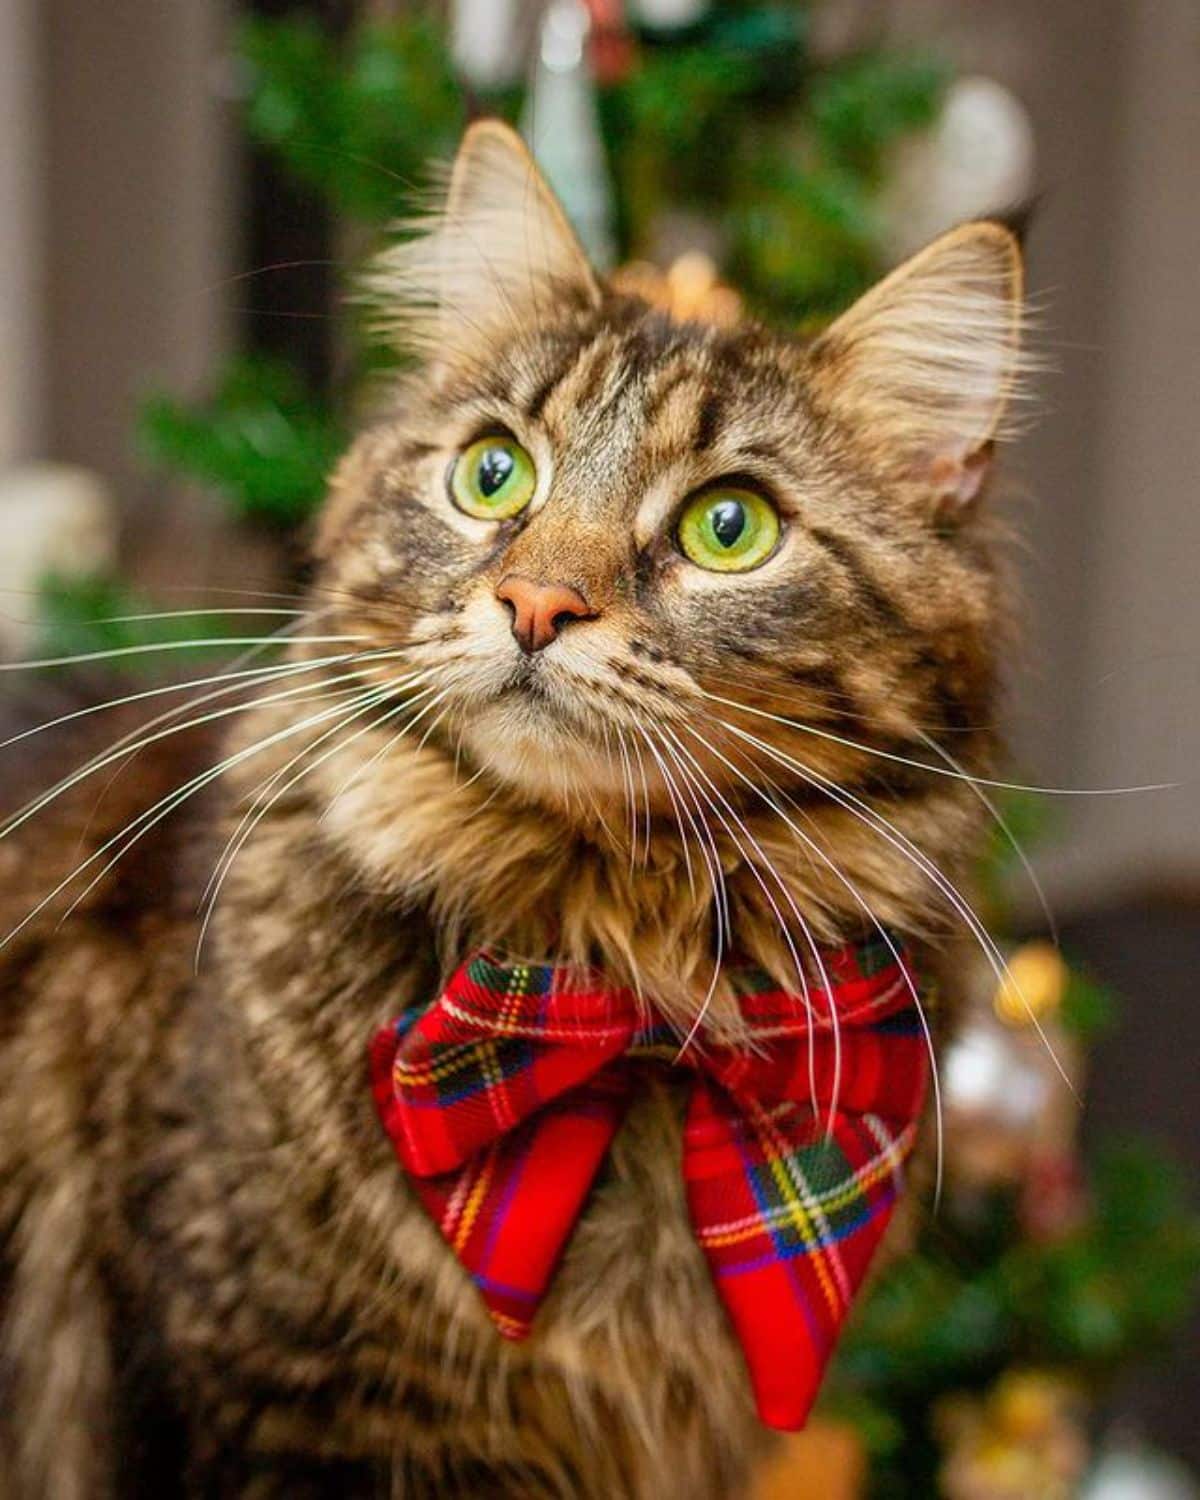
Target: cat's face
<point x="616" y="542"/>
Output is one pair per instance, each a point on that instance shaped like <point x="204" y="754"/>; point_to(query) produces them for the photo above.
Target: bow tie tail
<point x="788" y="1220"/>
<point x="509" y="1211"/>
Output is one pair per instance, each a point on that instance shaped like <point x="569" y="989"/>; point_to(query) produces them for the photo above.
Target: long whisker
<point x="626" y="790"/>
<point x="393" y="740"/>
<point x="645" y="802"/>
<point x="814" y="847"/>
<point x="921" y="765"/>
<point x="130" y="745"/>
<point x="246" y="675"/>
<point x="700" y="825"/>
<point x="255" y="796"/>
<point x="161" y="809"/>
<point x="801" y="976"/>
<point x="672" y="793"/>
<point x="1002" y="823"/>
<point x="175" y="799"/>
<point x="866" y="814"/>
<point x="253" y="818"/>
<point x="207" y="643"/>
<point x="202" y="614"/>
<point x="706" y="846"/>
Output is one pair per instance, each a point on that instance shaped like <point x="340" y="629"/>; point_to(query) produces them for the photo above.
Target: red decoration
<point x="610" y="44"/>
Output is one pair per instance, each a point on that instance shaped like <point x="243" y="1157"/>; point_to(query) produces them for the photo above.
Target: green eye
<point x="493" y="479"/>
<point x="728" y="530"/>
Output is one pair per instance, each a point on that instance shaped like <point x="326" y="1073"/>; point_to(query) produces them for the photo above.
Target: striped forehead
<point x="623" y="408"/>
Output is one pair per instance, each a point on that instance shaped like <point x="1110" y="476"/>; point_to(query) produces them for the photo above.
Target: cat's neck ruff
<point x="654" y="907"/>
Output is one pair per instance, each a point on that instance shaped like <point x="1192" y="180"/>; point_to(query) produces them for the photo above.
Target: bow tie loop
<point x="503" y="1096"/>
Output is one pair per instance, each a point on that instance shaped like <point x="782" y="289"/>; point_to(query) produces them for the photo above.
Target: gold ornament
<point x="690" y="290"/>
<point x="1024" y="1440"/>
<point x="1033" y="987"/>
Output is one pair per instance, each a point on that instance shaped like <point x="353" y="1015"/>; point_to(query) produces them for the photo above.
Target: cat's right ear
<point x="495" y="252"/>
<point x="924" y="368"/>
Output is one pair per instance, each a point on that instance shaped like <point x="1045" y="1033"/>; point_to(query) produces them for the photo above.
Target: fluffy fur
<point x="215" y="1279"/>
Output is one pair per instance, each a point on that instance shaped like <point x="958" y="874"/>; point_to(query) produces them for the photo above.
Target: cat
<point x="624" y="631"/>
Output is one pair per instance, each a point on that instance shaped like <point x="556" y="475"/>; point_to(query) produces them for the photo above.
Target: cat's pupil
<point x="728" y="521"/>
<point x="495" y="469"/>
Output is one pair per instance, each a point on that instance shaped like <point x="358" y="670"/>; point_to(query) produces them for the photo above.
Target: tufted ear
<point x="497" y="249"/>
<point x="925" y="366"/>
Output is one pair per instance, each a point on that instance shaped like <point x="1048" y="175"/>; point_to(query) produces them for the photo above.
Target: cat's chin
<point x="529" y="746"/>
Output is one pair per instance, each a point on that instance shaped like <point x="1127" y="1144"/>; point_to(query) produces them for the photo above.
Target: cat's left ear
<point x="497" y="250"/>
<point x="923" y="369"/>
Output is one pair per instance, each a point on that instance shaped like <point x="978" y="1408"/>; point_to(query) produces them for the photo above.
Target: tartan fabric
<point x="502" y="1097"/>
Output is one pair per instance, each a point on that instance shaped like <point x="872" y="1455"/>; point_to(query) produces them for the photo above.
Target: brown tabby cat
<point x="622" y="628"/>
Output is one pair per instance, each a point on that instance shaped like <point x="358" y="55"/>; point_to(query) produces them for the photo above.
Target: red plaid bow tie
<point x="502" y="1098"/>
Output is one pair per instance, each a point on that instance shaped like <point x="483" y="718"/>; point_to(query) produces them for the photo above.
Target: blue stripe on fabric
<point x="821" y="1242"/>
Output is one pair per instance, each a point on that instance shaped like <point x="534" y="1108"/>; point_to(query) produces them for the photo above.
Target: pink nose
<point x="540" y="610"/>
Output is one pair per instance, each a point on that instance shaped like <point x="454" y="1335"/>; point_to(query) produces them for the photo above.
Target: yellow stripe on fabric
<point x="449" y="1062"/>
<point x="746" y="1229"/>
<point x="823" y="1254"/>
<point x="802" y="1220"/>
<point x="471" y="1212"/>
<point x="534" y="1031"/>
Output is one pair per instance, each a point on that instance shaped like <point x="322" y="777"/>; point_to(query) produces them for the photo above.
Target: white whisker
<point x="253" y="818"/>
<point x="801" y="976"/>
<point x="130" y="745"/>
<point x="921" y="765"/>
<point x="245" y="675"/>
<point x="1002" y="823"/>
<point x="866" y="814"/>
<point x="155" y="814"/>
<point x="812" y="845"/>
<point x="206" y="643"/>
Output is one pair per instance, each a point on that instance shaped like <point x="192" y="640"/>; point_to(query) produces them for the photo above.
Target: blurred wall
<point x="21" y="282"/>
<point x="1140" y="665"/>
<point x="1106" y="484"/>
<point x="138" y="206"/>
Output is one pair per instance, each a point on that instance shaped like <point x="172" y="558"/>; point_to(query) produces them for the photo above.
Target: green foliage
<point x="261" y="440"/>
<point x="1088" y="1010"/>
<point x="803" y="244"/>
<point x="859" y="109"/>
<point x="784" y="155"/>
<point x="1023" y="819"/>
<point x="357" y="121"/>
<point x="1114" y="1290"/>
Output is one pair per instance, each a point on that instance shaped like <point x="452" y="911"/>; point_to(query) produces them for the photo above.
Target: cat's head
<point x="623" y="548"/>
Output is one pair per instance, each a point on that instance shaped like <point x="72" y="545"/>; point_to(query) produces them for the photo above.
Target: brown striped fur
<point x="213" y="1279"/>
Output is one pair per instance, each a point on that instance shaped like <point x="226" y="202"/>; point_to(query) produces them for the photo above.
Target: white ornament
<point x="977" y="159"/>
<point x="667" y="14"/>
<point x="986" y="1072"/>
<point x="54" y="519"/>
<point x="1137" y="1475"/>
<point x="563" y="131"/>
<point x="484" y="41"/>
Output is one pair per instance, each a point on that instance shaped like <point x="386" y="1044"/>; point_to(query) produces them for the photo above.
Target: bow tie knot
<point x="503" y="1096"/>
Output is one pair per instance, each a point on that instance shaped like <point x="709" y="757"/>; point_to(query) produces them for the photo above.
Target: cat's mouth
<point x="528" y="677"/>
<point x="548" y="699"/>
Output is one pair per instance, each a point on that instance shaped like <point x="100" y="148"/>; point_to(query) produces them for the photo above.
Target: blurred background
<point x="185" y="186"/>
